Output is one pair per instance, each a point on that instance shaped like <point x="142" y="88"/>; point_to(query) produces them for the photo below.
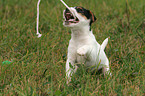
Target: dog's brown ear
<point x="92" y="17"/>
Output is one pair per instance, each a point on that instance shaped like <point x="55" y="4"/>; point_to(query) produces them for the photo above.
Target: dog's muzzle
<point x="69" y="17"/>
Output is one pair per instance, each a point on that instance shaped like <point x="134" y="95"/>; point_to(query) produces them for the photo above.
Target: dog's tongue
<point x="68" y="16"/>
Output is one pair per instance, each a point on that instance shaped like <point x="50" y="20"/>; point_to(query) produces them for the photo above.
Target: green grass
<point x="38" y="64"/>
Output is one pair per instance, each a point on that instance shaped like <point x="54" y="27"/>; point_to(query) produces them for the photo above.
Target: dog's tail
<point x="104" y="44"/>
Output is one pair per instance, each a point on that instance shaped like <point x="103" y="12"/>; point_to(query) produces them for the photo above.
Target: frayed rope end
<point x="39" y="35"/>
<point x="37" y="25"/>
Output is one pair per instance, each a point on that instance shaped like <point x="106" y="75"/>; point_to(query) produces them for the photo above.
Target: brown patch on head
<point x="87" y="14"/>
<point x="79" y="7"/>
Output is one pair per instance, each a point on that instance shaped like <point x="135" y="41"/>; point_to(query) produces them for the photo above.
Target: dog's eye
<point x="80" y="10"/>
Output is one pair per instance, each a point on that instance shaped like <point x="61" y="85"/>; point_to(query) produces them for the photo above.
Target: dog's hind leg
<point x="106" y="70"/>
<point x="70" y="69"/>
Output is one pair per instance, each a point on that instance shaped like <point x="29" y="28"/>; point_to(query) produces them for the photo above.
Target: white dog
<point x="83" y="47"/>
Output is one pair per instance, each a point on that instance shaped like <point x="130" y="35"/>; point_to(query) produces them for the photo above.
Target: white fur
<point x="83" y="48"/>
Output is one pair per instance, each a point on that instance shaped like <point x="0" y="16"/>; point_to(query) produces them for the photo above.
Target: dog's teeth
<point x="71" y="19"/>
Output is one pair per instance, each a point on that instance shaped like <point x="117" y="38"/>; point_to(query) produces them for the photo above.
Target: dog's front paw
<point x="81" y="51"/>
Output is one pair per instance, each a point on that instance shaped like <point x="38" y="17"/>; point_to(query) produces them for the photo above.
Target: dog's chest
<point x="77" y="43"/>
<point x="74" y="45"/>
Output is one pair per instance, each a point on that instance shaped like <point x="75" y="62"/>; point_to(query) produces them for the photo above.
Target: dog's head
<point x="78" y="16"/>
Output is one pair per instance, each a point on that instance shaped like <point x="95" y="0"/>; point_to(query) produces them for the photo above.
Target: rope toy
<point x="65" y="4"/>
<point x="68" y="8"/>
<point x="37" y="25"/>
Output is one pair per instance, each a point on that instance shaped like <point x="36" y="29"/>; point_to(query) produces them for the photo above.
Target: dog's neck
<point x="78" y="32"/>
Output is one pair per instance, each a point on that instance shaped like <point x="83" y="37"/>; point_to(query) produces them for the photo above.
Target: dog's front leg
<point x="83" y="50"/>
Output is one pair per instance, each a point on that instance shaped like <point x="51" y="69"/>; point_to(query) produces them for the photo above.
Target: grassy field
<point x="38" y="64"/>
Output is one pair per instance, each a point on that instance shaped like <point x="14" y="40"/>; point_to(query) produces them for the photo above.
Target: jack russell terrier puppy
<point x="83" y="47"/>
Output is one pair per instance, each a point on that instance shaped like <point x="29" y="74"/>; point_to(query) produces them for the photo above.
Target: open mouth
<point x="69" y="18"/>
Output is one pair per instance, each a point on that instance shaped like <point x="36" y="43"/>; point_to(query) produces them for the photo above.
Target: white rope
<point x="64" y="4"/>
<point x="68" y="8"/>
<point x="37" y="26"/>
